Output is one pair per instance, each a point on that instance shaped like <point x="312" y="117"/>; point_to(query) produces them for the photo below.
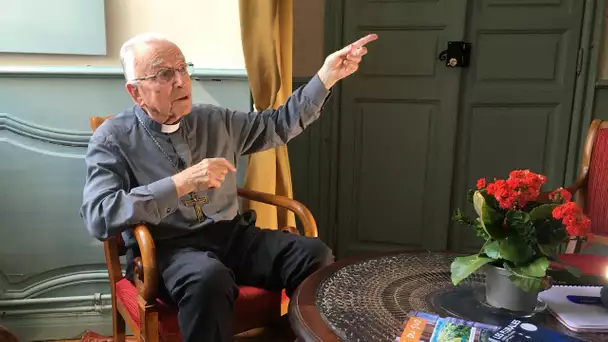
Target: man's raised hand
<point x="344" y="62"/>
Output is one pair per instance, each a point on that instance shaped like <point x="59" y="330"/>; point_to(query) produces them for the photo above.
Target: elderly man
<point x="170" y="165"/>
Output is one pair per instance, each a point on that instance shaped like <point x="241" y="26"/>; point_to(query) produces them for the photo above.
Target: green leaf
<point x="511" y="248"/>
<point x="571" y="269"/>
<point x="548" y="250"/>
<point x="483" y="210"/>
<point x="515" y="250"/>
<point x="470" y="195"/>
<point x="492" y="249"/>
<point x="489" y="218"/>
<point x="462" y="267"/>
<point x="459" y="217"/>
<point x="520" y="223"/>
<point x="538" y="268"/>
<point x="525" y="282"/>
<point x="544" y="211"/>
<point x="530" y="277"/>
<point x="550" y="232"/>
<point x="518" y="217"/>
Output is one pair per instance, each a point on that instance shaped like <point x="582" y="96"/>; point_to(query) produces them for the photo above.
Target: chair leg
<point x="149" y="323"/>
<point x="118" y="326"/>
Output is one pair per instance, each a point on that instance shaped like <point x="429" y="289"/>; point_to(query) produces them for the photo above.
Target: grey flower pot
<point x="501" y="292"/>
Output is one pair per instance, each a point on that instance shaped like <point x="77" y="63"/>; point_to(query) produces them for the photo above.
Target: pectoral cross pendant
<point x="194" y="202"/>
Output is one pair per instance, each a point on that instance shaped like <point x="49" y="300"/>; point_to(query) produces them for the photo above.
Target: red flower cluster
<point x="521" y="187"/>
<point x="560" y="195"/>
<point x="577" y="224"/>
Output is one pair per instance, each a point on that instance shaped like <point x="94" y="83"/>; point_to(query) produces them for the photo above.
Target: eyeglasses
<point x="168" y="74"/>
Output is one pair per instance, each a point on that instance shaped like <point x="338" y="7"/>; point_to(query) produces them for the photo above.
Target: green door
<point x="518" y="93"/>
<point x="397" y="127"/>
<point x="415" y="134"/>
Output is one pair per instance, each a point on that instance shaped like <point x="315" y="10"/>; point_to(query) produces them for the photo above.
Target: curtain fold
<point x="267" y="38"/>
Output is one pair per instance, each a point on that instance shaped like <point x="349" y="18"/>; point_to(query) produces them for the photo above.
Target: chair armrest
<point x="600" y="240"/>
<point x="580" y="183"/>
<point x="303" y="214"/>
<point x="7" y="336"/>
<point x="145" y="271"/>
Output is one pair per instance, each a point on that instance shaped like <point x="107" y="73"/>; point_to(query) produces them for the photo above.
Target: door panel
<point x="517" y="97"/>
<point x="398" y="125"/>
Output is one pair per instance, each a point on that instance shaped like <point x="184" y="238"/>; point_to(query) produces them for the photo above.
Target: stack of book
<point x="426" y="327"/>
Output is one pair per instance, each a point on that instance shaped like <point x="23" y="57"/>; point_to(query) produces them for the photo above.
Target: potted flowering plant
<point x="522" y="236"/>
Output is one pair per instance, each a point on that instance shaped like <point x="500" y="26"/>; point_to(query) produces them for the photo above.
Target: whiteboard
<point x="75" y="27"/>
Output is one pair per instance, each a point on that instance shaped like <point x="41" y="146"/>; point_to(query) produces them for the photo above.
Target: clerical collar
<point x="153" y="125"/>
<point x="170" y="128"/>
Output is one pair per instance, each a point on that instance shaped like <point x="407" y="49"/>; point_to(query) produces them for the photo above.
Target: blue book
<point x="520" y="331"/>
<point x="426" y="327"/>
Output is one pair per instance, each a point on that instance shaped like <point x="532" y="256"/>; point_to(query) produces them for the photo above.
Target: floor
<point x="279" y="333"/>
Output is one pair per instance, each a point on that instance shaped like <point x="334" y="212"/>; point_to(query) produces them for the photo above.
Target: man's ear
<point x="133" y="90"/>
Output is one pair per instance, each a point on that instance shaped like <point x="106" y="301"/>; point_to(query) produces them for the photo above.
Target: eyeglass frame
<point x="188" y="68"/>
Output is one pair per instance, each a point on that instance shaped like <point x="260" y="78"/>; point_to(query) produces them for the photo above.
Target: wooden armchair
<point x="591" y="190"/>
<point x="149" y="318"/>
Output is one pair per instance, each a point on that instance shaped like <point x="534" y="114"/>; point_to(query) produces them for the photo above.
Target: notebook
<point x="576" y="317"/>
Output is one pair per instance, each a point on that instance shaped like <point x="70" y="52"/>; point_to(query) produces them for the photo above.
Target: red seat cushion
<point x="251" y="302"/>
<point x="587" y="263"/>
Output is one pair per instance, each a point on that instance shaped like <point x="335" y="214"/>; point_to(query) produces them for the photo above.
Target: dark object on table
<point x="589" y="300"/>
<point x="520" y="331"/>
<point x="604" y="296"/>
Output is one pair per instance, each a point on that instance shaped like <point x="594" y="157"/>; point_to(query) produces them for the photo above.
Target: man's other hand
<point x="208" y="174"/>
<point x="345" y="62"/>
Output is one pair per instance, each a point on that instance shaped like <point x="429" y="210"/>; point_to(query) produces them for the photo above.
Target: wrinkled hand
<point x="207" y="174"/>
<point x="345" y="62"/>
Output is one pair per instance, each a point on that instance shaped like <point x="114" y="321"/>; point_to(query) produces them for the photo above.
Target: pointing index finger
<point x="367" y="39"/>
<point x="223" y="162"/>
<point x="228" y="165"/>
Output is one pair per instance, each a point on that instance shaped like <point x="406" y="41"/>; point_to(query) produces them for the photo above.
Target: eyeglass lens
<point x="167" y="75"/>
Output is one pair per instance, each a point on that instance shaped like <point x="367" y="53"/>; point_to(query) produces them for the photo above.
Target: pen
<point x="585" y="300"/>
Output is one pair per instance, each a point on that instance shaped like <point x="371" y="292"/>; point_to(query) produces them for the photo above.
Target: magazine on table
<point x="427" y="327"/>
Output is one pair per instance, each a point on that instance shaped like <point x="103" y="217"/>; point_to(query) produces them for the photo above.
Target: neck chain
<point x="194" y="201"/>
<point x="158" y="145"/>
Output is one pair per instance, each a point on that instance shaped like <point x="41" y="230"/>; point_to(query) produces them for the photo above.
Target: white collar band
<point x="170" y="128"/>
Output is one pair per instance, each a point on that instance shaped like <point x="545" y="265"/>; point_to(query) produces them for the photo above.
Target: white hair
<point x="127" y="54"/>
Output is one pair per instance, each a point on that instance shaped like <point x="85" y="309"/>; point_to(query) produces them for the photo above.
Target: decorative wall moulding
<point x="43" y="286"/>
<point x="46" y="134"/>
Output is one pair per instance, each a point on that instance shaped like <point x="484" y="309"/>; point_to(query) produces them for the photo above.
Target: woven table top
<point x="369" y="300"/>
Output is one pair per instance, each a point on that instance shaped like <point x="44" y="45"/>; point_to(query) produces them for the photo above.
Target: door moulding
<point x="584" y="93"/>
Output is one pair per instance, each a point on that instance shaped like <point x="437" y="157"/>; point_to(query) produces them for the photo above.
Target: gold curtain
<point x="267" y="37"/>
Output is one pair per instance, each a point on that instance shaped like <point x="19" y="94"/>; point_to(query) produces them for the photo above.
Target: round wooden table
<point x="367" y="298"/>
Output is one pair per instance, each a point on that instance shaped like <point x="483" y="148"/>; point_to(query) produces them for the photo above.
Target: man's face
<point x="165" y="99"/>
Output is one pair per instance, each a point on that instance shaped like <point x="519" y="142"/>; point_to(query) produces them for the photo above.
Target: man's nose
<point x="180" y="79"/>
